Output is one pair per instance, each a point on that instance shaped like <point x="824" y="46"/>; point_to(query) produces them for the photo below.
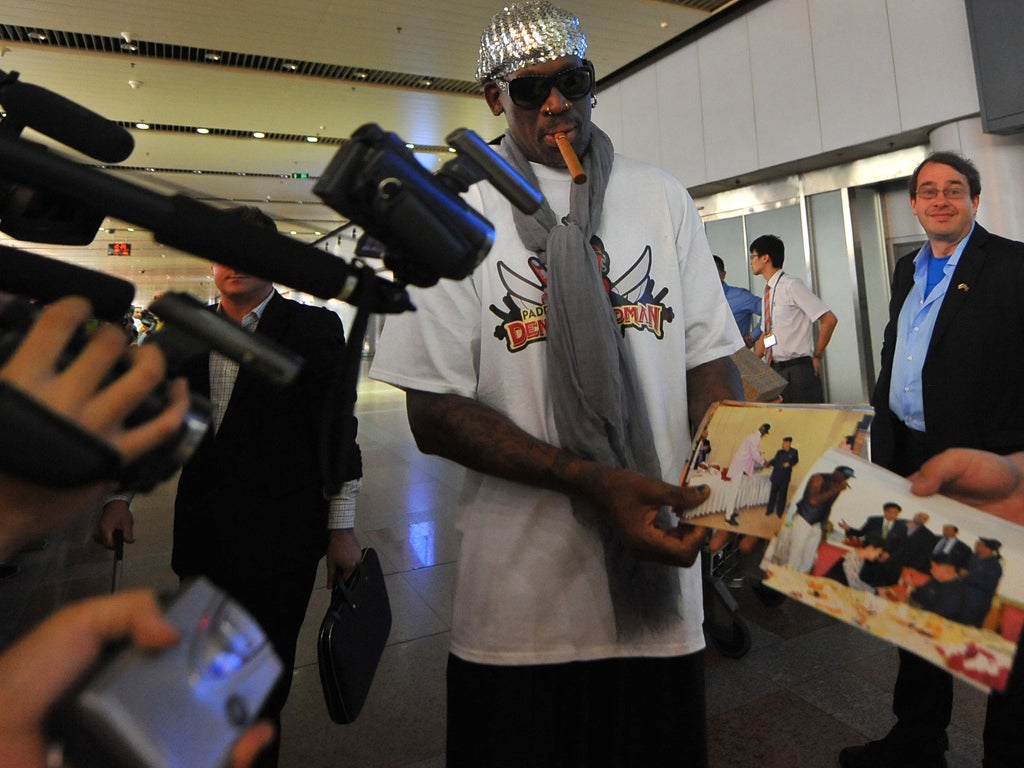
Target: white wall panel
<point x="640" y="120"/>
<point x="682" y="128"/>
<point x="792" y="79"/>
<point x="1000" y="161"/>
<point x="727" y="102"/>
<point x="782" y="73"/>
<point x="934" y="81"/>
<point x="854" y="71"/>
<point x="608" y="114"/>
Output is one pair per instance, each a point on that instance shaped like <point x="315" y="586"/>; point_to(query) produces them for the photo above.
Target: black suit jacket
<point x="915" y="550"/>
<point x="250" y="502"/>
<point x="974" y="368"/>
<point x="781" y="474"/>
<point x="960" y="554"/>
<point x="871" y="532"/>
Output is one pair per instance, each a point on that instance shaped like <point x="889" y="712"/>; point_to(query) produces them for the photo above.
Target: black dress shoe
<point x="885" y="754"/>
<point x="731" y="520"/>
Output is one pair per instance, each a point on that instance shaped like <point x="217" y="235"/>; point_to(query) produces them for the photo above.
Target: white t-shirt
<point x="531" y="585"/>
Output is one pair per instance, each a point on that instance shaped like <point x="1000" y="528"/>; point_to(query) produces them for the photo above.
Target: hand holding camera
<point x="37" y="671"/>
<point x="77" y="395"/>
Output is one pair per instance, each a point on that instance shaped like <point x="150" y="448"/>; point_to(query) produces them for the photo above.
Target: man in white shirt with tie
<point x="789" y="313"/>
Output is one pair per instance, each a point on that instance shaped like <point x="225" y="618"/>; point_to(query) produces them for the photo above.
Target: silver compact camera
<point x="181" y="707"/>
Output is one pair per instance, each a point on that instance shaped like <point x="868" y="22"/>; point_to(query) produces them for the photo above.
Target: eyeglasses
<point x="531" y="92"/>
<point x="949" y="193"/>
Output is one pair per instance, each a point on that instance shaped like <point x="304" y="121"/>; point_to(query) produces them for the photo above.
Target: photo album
<point x="847" y="537"/>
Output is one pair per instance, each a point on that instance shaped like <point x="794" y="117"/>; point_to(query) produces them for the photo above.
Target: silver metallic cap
<point x="523" y="34"/>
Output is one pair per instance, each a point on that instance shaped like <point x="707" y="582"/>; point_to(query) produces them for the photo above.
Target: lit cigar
<point x="571" y="161"/>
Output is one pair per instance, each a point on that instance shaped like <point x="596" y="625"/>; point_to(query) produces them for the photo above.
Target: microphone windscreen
<point x="256" y="251"/>
<point x="67" y="122"/>
<point x="46" y="280"/>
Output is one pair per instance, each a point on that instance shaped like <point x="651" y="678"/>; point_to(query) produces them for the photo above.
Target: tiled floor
<point x="807" y="687"/>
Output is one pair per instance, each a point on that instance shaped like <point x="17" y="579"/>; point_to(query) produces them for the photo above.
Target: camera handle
<point x="49" y="449"/>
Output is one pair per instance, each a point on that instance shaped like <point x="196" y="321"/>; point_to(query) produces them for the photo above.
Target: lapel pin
<point x="963" y="287"/>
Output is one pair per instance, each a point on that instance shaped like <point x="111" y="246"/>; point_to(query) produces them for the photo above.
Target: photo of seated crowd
<point x="870" y="546"/>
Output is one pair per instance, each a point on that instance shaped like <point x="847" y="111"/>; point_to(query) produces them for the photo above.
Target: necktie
<point x="767" y="316"/>
<point x="886" y="527"/>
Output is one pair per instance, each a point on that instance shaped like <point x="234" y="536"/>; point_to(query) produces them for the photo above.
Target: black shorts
<point x="626" y="713"/>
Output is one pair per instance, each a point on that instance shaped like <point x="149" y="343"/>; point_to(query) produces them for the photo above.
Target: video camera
<point x="53" y="452"/>
<point x="427" y="231"/>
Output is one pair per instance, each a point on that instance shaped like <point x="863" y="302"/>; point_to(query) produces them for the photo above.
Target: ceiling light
<point x="410" y="146"/>
<point x="426" y="82"/>
<point x="39" y="37"/>
<point x="202" y="130"/>
<point x="211" y="56"/>
<point x="129" y="48"/>
<point x="290" y="66"/>
<point x="663" y="25"/>
<point x="258" y="134"/>
<point x="360" y="75"/>
<point x="142" y="126"/>
<point x="312" y="139"/>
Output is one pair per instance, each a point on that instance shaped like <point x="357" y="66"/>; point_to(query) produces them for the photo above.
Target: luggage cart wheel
<point x="727" y="631"/>
<point x="731" y="640"/>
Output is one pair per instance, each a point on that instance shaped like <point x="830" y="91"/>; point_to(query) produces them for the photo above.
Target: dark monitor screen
<point x="997" y="29"/>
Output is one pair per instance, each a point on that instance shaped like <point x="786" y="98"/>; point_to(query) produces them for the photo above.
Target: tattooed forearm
<point x="478" y="437"/>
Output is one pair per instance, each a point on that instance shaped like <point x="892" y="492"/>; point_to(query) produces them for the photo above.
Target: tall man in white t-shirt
<point x="567" y="382"/>
<point x="788" y="317"/>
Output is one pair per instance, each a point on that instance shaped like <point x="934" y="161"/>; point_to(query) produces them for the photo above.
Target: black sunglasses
<point x="531" y="92"/>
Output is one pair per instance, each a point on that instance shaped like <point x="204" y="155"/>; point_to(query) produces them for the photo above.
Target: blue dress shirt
<point x="914" y="333"/>
<point x="743" y="305"/>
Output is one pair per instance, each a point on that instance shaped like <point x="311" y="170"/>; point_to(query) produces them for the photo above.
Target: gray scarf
<point x="598" y="405"/>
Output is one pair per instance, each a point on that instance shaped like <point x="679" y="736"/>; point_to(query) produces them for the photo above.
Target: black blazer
<point x="974" y="370"/>
<point x="871" y="532"/>
<point x="961" y="554"/>
<point x="250" y="502"/>
<point x="915" y="549"/>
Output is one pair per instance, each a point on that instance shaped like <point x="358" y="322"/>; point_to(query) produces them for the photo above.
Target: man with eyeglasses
<point x="569" y="395"/>
<point x="952" y="364"/>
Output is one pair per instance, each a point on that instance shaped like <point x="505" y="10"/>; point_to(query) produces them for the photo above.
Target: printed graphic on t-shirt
<point x="631" y="295"/>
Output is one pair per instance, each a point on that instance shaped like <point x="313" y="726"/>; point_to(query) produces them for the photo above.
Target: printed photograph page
<point x="936" y="577"/>
<point x="754" y="456"/>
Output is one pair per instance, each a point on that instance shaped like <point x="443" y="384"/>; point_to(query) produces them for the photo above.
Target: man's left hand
<point x="344" y="552"/>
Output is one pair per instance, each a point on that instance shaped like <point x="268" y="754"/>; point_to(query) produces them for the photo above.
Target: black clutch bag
<point x="352" y="638"/>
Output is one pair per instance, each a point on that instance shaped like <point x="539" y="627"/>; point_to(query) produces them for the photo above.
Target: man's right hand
<point x="633" y="501"/>
<point x="117" y="515"/>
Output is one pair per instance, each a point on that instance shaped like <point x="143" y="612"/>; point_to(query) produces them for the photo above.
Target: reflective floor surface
<point x="807" y="687"/>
